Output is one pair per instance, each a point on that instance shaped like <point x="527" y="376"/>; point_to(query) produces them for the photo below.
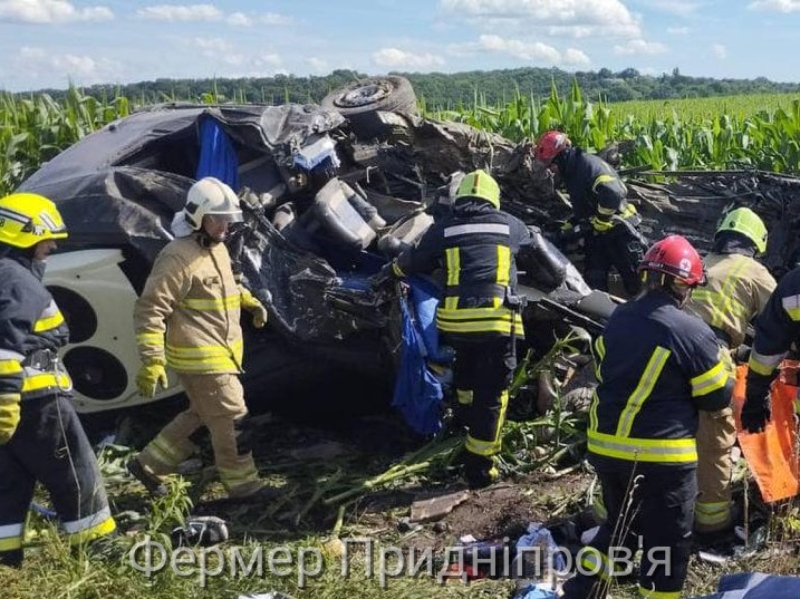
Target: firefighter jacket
<point x="476" y="246"/>
<point x="32" y="329"/>
<point x="777" y="327"/>
<point x="737" y="290"/>
<point x="657" y="366"/>
<point x="597" y="193"/>
<point x="188" y="314"/>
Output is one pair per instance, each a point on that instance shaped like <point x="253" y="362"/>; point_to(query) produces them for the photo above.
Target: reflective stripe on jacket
<point x="476" y="247"/>
<point x="657" y="367"/>
<point x="188" y="313"/>
<point x="738" y="288"/>
<point x="594" y="188"/>
<point x="32" y="329"/>
<point x="777" y="327"/>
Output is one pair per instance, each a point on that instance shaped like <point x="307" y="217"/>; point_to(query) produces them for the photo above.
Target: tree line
<point x="440" y="90"/>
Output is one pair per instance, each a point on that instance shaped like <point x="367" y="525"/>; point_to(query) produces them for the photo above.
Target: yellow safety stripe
<point x="11" y="544"/>
<point x="237" y="476"/>
<point x="593" y="560"/>
<point x="483" y="448"/>
<point x="203" y="365"/>
<point x="629" y="211"/>
<point x="710" y="381"/>
<point x="712" y="514"/>
<point x="7" y="398"/>
<point x="453" y="259"/>
<point x="10" y="367"/>
<point x="464" y="396"/>
<point x="791" y="305"/>
<point x="503" y="270"/>
<point x="643" y="390"/>
<point x="724" y="303"/>
<point x="150" y="339"/>
<point x="165" y="452"/>
<point x="593" y="422"/>
<point x="43" y="381"/>
<point x="48" y="322"/>
<point x="104" y="528"/>
<point x="477" y="314"/>
<point x="764" y="365"/>
<point x="602" y="179"/>
<point x="481" y="326"/>
<point x="599" y="356"/>
<point x="398" y="272"/>
<point x="648" y="594"/>
<point x="605" y="211"/>
<point x="204" y="351"/>
<point x="451" y="302"/>
<point x="664" y="451"/>
<point x="217" y="304"/>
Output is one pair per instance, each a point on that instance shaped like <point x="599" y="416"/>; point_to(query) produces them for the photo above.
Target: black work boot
<point x="148" y="478"/>
<point x="479" y="471"/>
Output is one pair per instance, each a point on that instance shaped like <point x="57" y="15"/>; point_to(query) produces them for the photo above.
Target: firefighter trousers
<point x="656" y="504"/>
<point x="716" y="435"/>
<point x="50" y="446"/>
<point x="620" y="248"/>
<point x="216" y="401"/>
<point x="482" y="374"/>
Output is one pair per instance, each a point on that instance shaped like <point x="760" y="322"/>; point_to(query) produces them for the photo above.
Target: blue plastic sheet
<point x="417" y="392"/>
<point x="754" y="585"/>
<point x="538" y="536"/>
<point x="217" y="155"/>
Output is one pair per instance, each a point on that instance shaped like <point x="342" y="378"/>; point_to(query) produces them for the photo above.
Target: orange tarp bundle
<point x="772" y="455"/>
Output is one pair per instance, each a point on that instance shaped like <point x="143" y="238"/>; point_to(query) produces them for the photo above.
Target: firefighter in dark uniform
<point x="479" y="312"/>
<point x="602" y="216"/>
<point x="41" y="438"/>
<point x="777" y="327"/>
<point x="657" y="366"/>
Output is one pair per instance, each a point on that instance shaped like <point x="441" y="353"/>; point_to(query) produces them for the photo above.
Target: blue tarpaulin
<point x="417" y="392"/>
<point x="217" y="155"/>
<point x="754" y="585"/>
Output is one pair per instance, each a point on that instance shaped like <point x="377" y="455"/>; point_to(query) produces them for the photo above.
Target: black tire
<point x="361" y="102"/>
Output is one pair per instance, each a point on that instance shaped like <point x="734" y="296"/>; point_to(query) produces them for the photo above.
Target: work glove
<point x="9" y="417"/>
<point x="255" y="307"/>
<point x="150" y="377"/>
<point x="601" y="224"/>
<point x="756" y="411"/>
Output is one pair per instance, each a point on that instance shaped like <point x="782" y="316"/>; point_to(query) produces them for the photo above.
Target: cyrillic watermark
<point x="387" y="562"/>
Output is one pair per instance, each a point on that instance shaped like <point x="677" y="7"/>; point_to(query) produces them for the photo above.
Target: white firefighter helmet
<point x="210" y="196"/>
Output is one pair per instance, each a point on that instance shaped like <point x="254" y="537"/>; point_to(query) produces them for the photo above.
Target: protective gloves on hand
<point x="150" y="377"/>
<point x="9" y="417"/>
<point x="255" y="307"/>
<point x="756" y="411"/>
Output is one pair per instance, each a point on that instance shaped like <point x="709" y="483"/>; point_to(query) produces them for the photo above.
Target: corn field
<point x="757" y="131"/>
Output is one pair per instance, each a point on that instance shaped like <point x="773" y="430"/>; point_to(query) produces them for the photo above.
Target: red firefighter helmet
<point x="550" y="145"/>
<point x="675" y="256"/>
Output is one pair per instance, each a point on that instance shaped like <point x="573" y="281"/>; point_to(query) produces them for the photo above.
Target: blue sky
<point x="45" y="43"/>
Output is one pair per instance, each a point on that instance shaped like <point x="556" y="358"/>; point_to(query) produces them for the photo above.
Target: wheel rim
<point x="363" y="95"/>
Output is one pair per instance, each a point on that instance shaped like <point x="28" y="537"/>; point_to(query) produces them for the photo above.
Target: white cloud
<point x="576" y="58"/>
<point x="678" y="30"/>
<point x="640" y="47"/>
<point x="240" y="19"/>
<point x="720" y="51"/>
<point x="318" y="65"/>
<point x="50" y="11"/>
<point x="682" y="8"/>
<point x="785" y="6"/>
<point x="211" y="46"/>
<point x="267" y="60"/>
<point x="576" y="18"/>
<point x="394" y="58"/>
<point x="41" y="65"/>
<point x="523" y="50"/>
<point x="176" y="12"/>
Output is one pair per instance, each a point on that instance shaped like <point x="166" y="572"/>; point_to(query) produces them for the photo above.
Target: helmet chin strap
<point x="205" y="240"/>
